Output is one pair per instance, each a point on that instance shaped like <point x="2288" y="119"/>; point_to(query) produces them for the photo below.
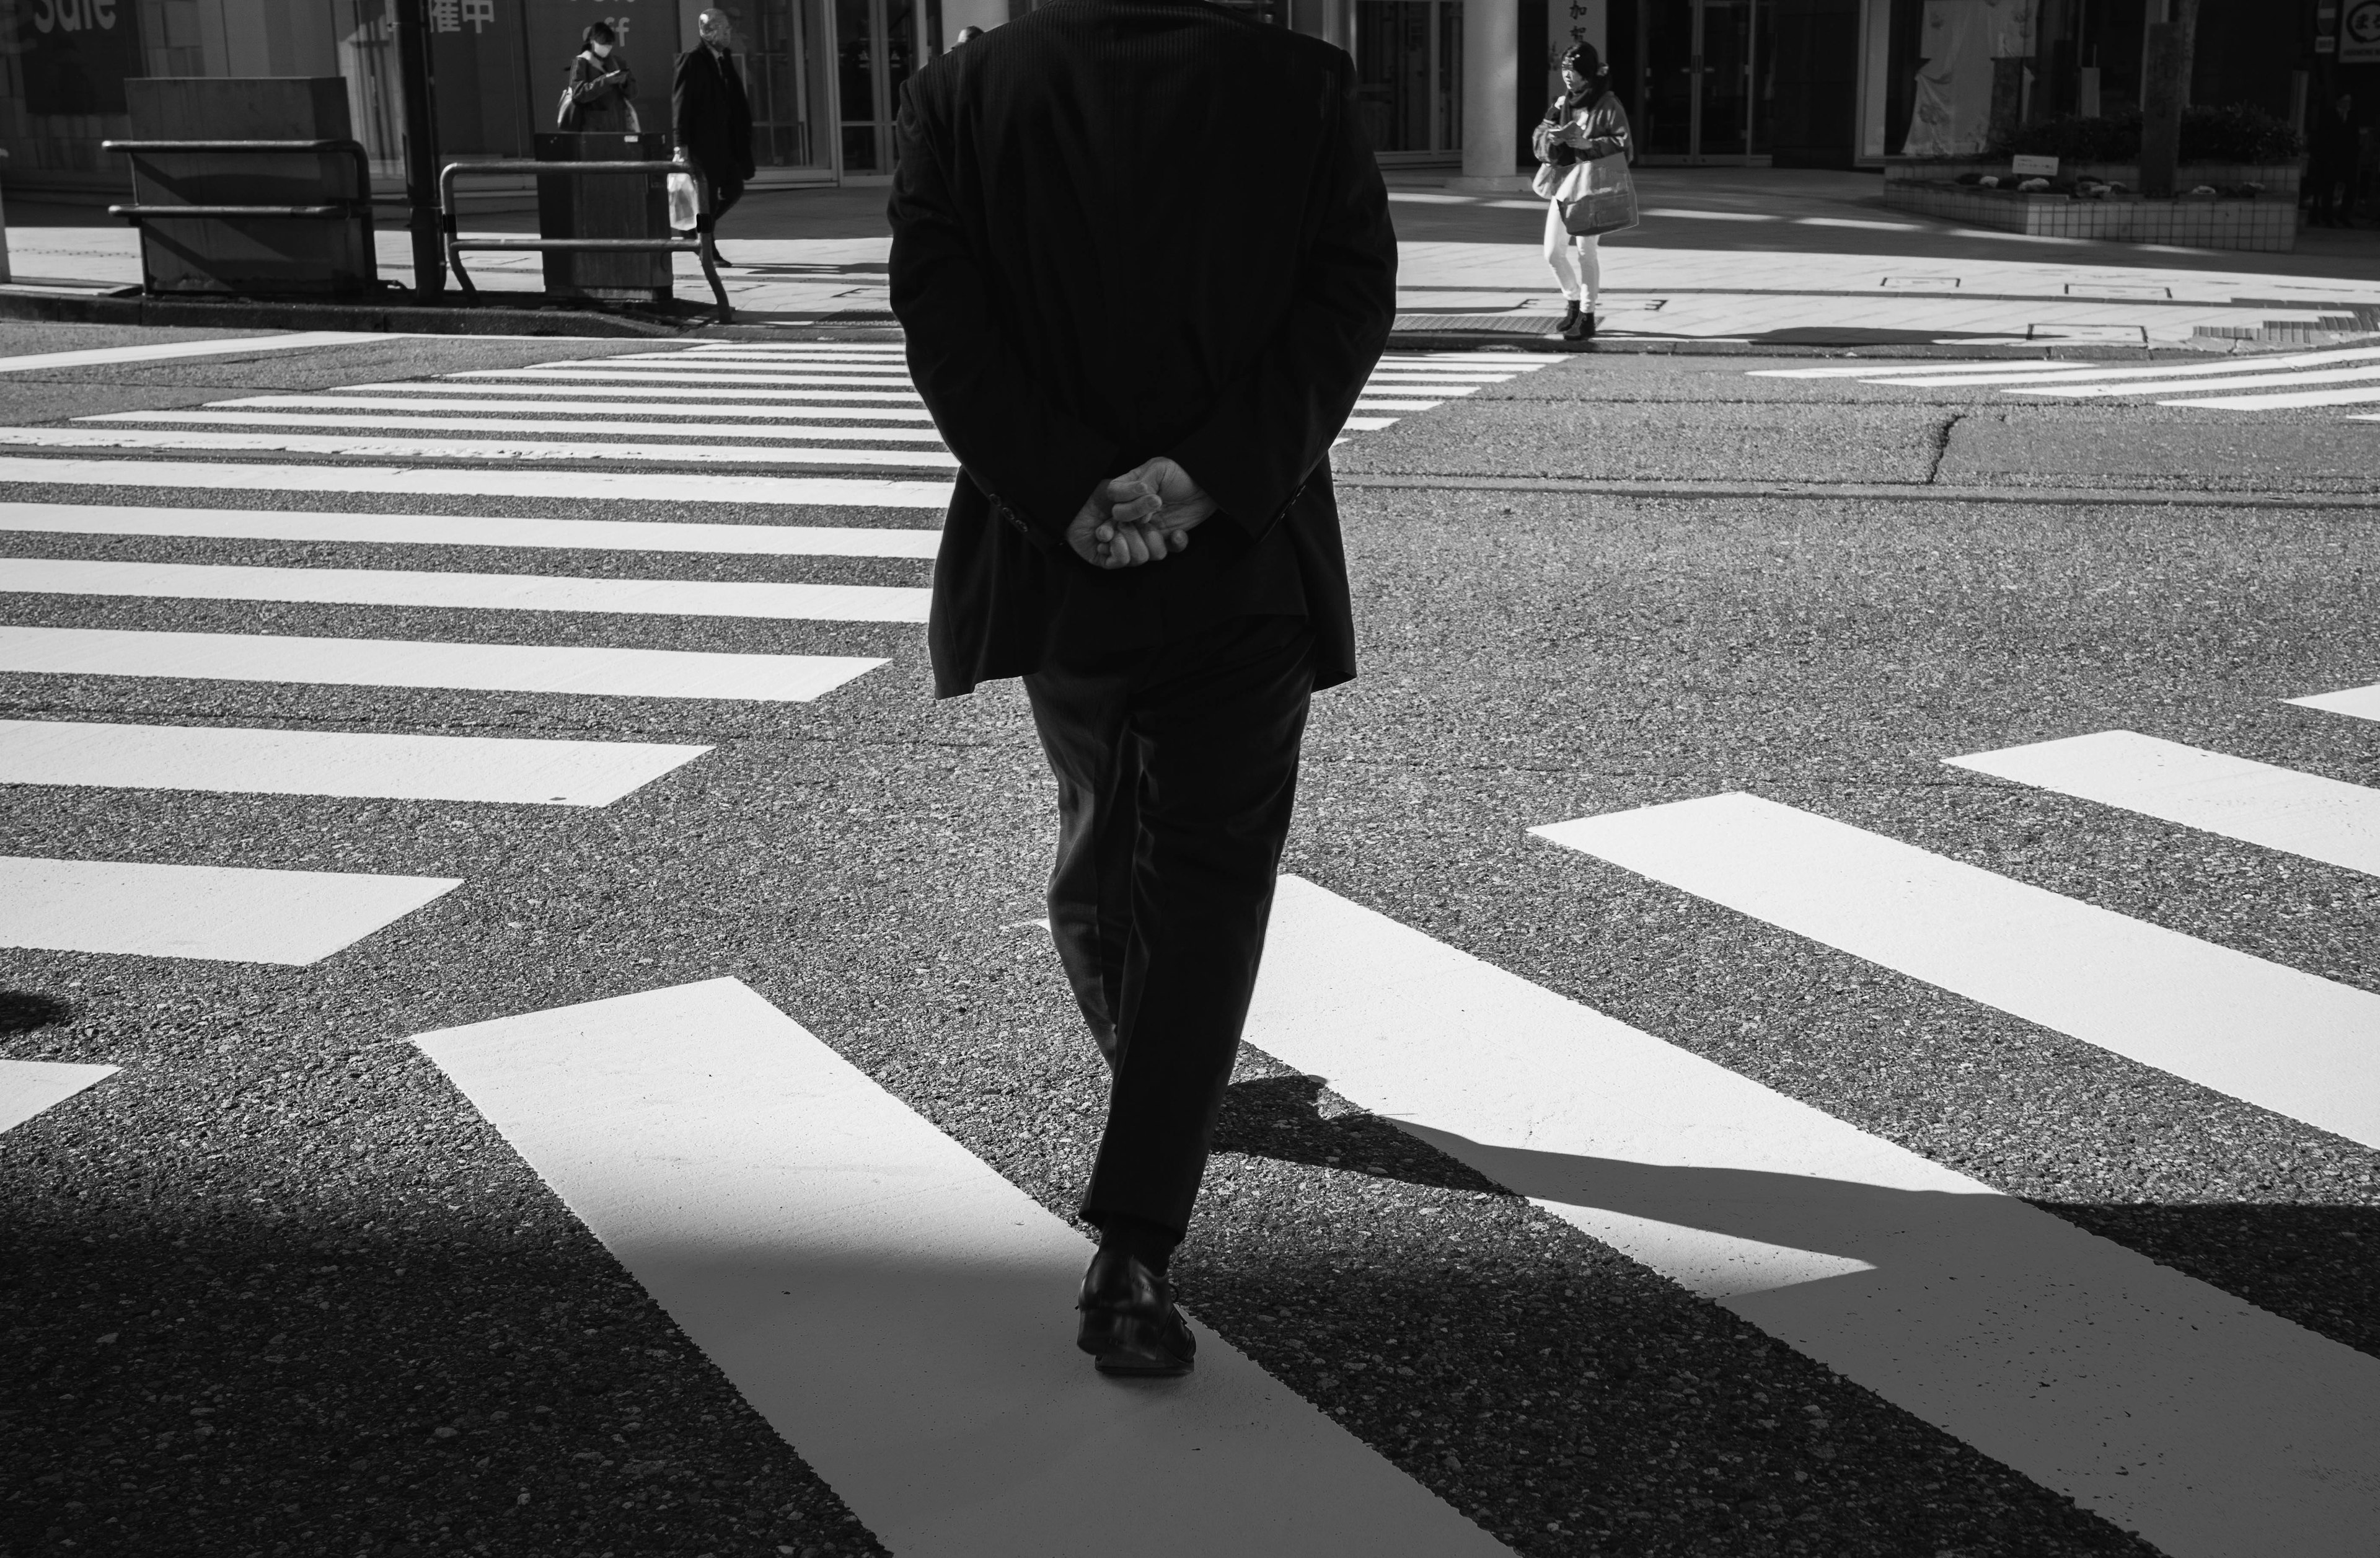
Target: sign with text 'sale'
<point x="77" y="53"/>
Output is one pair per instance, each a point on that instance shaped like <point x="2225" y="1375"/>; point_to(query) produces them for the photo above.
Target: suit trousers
<point x="1177" y="771"/>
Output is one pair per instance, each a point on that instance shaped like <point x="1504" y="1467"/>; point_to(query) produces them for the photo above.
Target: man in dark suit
<point x="711" y="114"/>
<point x="1143" y="257"/>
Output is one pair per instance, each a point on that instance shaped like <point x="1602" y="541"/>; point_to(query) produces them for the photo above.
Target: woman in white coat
<point x="1586" y="124"/>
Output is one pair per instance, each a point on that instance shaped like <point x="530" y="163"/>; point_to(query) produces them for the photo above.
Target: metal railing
<point x="358" y="204"/>
<point x="699" y="245"/>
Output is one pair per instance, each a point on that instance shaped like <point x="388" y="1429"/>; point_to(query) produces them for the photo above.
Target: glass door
<point x="878" y="43"/>
<point x="1409" y="78"/>
<point x="1702" y="62"/>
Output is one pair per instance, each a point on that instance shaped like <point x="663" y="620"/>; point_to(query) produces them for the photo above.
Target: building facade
<point x="1450" y="84"/>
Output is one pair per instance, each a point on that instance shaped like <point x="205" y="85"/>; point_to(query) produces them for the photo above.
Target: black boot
<point x="1581" y="328"/>
<point x="1570" y="317"/>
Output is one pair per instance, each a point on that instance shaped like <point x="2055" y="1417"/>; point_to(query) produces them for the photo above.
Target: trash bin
<point x="278" y="191"/>
<point x="604" y="205"/>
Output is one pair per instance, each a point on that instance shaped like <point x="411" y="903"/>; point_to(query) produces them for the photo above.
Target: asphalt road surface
<point x="1824" y="1000"/>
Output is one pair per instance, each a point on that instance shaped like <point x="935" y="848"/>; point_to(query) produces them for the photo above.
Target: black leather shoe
<point x="1580" y="329"/>
<point x="1570" y="317"/>
<point x="1130" y="1325"/>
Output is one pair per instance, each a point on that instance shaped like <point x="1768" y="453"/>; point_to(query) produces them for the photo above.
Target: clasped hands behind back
<point x="1144" y="515"/>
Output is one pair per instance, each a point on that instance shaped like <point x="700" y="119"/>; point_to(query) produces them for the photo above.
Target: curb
<point x="51" y="306"/>
<point x="2032" y="351"/>
<point x="1838" y="492"/>
<point x="240" y="314"/>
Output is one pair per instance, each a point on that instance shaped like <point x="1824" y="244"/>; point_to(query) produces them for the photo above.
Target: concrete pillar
<point x="1491" y="67"/>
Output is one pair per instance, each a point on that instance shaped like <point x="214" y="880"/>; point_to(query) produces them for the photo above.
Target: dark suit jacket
<point x="1124" y="229"/>
<point x="711" y="114"/>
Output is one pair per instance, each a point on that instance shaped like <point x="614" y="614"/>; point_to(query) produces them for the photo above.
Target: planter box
<point x="2267" y="224"/>
<point x="2280" y="179"/>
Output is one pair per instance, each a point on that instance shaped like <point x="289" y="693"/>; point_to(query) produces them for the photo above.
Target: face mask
<point x="602" y="51"/>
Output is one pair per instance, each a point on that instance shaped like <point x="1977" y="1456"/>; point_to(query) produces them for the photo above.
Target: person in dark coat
<point x="711" y="114"/>
<point x="1144" y="261"/>
<point x="602" y="91"/>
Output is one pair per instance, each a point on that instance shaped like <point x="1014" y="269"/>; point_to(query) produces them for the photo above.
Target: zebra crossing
<point x="2297" y="381"/>
<point x="781" y="1205"/>
<point x="848" y="407"/>
<point x="2157" y="1400"/>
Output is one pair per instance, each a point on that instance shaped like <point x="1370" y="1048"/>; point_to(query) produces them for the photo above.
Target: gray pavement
<point x="278" y="1287"/>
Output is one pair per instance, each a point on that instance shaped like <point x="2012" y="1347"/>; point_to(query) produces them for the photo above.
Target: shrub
<point x="2240" y="133"/>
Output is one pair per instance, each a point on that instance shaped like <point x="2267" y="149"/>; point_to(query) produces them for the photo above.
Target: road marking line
<point x="1368" y="405"/>
<point x="529" y="592"/>
<point x="683" y="377"/>
<point x="29" y="1087"/>
<point x="2166" y="1405"/>
<point x="460" y="529"/>
<point x="744" y="359"/>
<point x="1368" y="424"/>
<point x="593" y="392"/>
<point x="573" y="669"/>
<point x="678" y="408"/>
<point x="818" y="491"/>
<point x="2306" y="814"/>
<point x="2283" y="402"/>
<point x="1519" y="362"/>
<point x="2272" y="365"/>
<point x="2280" y="1039"/>
<point x="1869" y="370"/>
<point x="222" y="914"/>
<point x="806" y="1230"/>
<point x="2194" y="386"/>
<point x="160" y="351"/>
<point x="2357" y="702"/>
<point x="461" y="448"/>
<point x="517" y="425"/>
<point x="324" y="762"/>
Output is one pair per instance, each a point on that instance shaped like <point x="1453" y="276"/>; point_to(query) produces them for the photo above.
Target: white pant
<point x="1577" y="268"/>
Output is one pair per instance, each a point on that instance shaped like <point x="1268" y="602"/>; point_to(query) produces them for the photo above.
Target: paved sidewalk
<point x="1761" y="257"/>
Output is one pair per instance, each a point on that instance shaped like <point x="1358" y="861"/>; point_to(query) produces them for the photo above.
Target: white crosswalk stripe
<point x="2286" y="1041"/>
<point x="2172" y="1408"/>
<point x="474" y="530"/>
<point x="475" y="592"/>
<point x="514" y="424"/>
<point x="368" y="449"/>
<point x="2282" y="381"/>
<point x="30" y="1086"/>
<point x="234" y="914"/>
<point x="327" y="762"/>
<point x="595" y="486"/>
<point x="787" y="1214"/>
<point x="2359" y="703"/>
<point x="409" y="663"/>
<point x="2306" y="814"/>
<point x="642" y="409"/>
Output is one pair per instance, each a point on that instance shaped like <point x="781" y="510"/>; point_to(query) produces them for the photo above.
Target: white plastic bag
<point x="683" y="208"/>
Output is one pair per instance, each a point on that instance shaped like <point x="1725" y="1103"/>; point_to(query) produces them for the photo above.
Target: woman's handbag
<point x="567" y="116"/>
<point x="1597" y="197"/>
